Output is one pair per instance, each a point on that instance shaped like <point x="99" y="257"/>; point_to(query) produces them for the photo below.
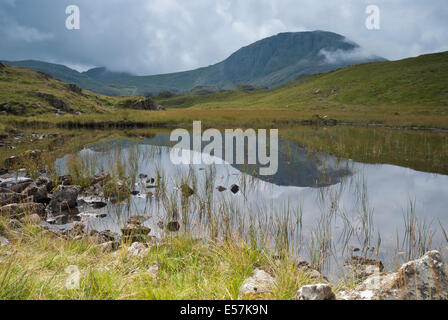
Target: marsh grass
<point x="187" y="269"/>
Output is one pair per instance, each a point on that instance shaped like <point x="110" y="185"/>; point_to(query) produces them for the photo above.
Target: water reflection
<point x="315" y="203"/>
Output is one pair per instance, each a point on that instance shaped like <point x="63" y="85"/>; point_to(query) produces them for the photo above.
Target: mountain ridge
<point x="267" y="62"/>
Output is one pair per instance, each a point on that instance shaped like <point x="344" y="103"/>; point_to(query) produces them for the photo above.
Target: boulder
<point x="74" y="88"/>
<point x="362" y="268"/>
<point x="63" y="219"/>
<point x="39" y="194"/>
<point x="305" y="267"/>
<point x="64" y="198"/>
<point x="4" y="242"/>
<point x="54" y="102"/>
<point x="11" y="197"/>
<point x="421" y="279"/>
<point x="135" y="232"/>
<point x="153" y="271"/>
<point x="99" y="178"/>
<point x="44" y="181"/>
<point x="21" y="186"/>
<point x="136" y="220"/>
<point x="95" y="190"/>
<point x="138" y="249"/>
<point x="66" y="180"/>
<point x="259" y="283"/>
<point x="31" y="219"/>
<point x="145" y="103"/>
<point x="321" y="291"/>
<point x="20" y="209"/>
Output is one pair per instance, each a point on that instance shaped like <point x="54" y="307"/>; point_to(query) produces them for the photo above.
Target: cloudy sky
<point x="160" y="36"/>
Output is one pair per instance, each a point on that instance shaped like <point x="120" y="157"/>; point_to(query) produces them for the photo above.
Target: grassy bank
<point x="35" y="264"/>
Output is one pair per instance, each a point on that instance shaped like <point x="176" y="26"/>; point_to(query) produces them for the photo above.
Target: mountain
<point x="267" y="62"/>
<point x="414" y="86"/>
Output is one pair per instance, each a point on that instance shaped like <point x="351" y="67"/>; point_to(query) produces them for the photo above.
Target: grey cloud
<point x="159" y="36"/>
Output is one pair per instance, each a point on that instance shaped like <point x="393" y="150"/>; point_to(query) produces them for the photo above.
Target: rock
<point x="31" y="219"/>
<point x="21" y="186"/>
<point x="259" y="283"/>
<point x="5" y="190"/>
<point x="20" y="209"/>
<point x="138" y="249"/>
<point x="74" y="88"/>
<point x="4" y="242"/>
<point x="66" y="180"/>
<point x="64" y="198"/>
<point x="3" y="171"/>
<point x="317" y="91"/>
<point x="98" y="204"/>
<point x="221" y="189"/>
<point x="54" y="102"/>
<point x="361" y="267"/>
<point x="321" y="291"/>
<point x="135" y="232"/>
<point x="39" y="194"/>
<point x="99" y="178"/>
<point x="78" y="229"/>
<point x="11" y="197"/>
<point x="13" y="108"/>
<point x="14" y="224"/>
<point x="305" y="267"/>
<point x="153" y="271"/>
<point x="2" y="65"/>
<point x="142" y="176"/>
<point x="136" y="220"/>
<point x="107" y="246"/>
<point x="44" y="181"/>
<point x="95" y="190"/>
<point x="421" y="279"/>
<point x="104" y="236"/>
<point x="234" y="188"/>
<point x="145" y="103"/>
<point x="173" y="226"/>
<point x="63" y="219"/>
<point x="186" y="190"/>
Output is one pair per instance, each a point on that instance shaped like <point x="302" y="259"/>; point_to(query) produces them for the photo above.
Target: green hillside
<point x="268" y="63"/>
<point x="420" y="82"/>
<point x="28" y="92"/>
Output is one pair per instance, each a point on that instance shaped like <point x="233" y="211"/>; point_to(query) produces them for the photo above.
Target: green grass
<point x="35" y="267"/>
<point x="410" y="92"/>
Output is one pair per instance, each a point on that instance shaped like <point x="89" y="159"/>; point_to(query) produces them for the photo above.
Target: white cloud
<point x="27" y="34"/>
<point x="159" y="36"/>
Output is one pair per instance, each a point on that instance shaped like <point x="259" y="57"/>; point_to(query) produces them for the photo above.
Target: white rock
<point x="321" y="291"/>
<point x="153" y="271"/>
<point x="260" y="282"/>
<point x="421" y="279"/>
<point x="138" y="249"/>
<point x="4" y="242"/>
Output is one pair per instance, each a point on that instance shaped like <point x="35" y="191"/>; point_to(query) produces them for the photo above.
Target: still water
<point x="321" y="208"/>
